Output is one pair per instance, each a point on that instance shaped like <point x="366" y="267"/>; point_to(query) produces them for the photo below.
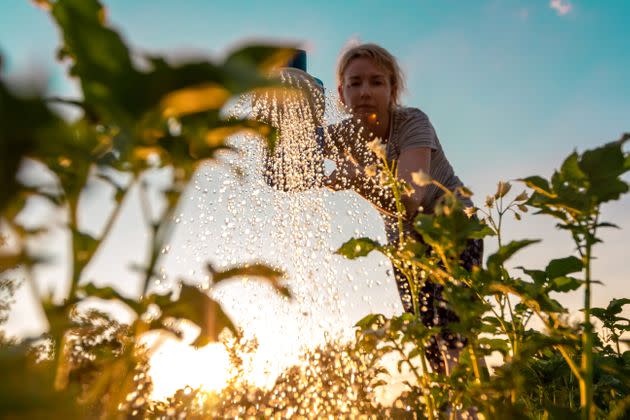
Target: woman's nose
<point x="364" y="91"/>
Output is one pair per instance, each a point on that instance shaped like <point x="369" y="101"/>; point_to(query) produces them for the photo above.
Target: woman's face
<point x="366" y="89"/>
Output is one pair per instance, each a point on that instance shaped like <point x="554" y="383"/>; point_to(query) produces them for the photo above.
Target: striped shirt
<point x="411" y="128"/>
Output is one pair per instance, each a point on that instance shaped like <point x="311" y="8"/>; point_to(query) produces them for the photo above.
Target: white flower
<point x="370" y="170"/>
<point x="378" y="148"/>
<point x="421" y="178"/>
<point x="522" y="196"/>
<point x="383" y="179"/>
<point x="408" y="189"/>
<point x="502" y="189"/>
<point x="470" y="211"/>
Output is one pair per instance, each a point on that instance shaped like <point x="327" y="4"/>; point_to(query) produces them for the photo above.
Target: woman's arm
<point x="350" y="174"/>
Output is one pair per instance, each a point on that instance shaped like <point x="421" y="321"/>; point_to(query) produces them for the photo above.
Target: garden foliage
<point x="140" y="113"/>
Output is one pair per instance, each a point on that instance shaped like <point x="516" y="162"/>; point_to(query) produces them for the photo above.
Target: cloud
<point x="523" y="13"/>
<point x="562" y="7"/>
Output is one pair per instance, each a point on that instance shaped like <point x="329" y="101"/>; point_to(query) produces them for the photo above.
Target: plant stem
<point x="475" y="362"/>
<point x="421" y="379"/>
<point x="113" y="216"/>
<point x="562" y="349"/>
<point x="586" y="384"/>
<point x="75" y="266"/>
<point x="514" y="333"/>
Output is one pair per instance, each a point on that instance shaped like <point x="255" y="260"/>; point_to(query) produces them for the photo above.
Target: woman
<point x="369" y="84"/>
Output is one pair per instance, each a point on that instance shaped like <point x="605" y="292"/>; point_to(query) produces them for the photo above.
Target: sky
<point x="511" y="86"/>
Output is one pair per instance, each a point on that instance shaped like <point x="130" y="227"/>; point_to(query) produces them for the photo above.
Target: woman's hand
<point x="345" y="176"/>
<point x="351" y="175"/>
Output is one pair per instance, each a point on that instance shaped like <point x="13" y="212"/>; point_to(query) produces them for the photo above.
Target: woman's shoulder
<point x="411" y="121"/>
<point x="405" y="114"/>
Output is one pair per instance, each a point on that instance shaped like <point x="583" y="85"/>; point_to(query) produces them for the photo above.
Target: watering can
<point x="284" y="168"/>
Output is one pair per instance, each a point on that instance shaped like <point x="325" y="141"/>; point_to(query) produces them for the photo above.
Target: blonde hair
<point x="382" y="58"/>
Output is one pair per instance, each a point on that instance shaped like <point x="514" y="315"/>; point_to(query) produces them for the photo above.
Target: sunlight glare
<point x="176" y="365"/>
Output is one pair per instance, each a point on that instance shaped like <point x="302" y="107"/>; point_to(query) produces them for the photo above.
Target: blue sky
<point x="495" y="76"/>
<point x="511" y="86"/>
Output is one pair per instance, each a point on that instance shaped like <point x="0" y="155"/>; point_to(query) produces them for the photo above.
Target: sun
<point x="176" y="365"/>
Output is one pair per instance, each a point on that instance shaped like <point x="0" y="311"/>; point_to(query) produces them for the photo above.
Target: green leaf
<point x="540" y="185"/>
<point x="258" y="270"/>
<point x="194" y="99"/>
<point x="539" y="276"/>
<point x="399" y="365"/>
<point x="615" y="305"/>
<point x="109" y="293"/>
<point x="604" y="166"/>
<point x="217" y="133"/>
<point x="370" y="321"/>
<point x="609" y="225"/>
<point x="505" y="252"/>
<point x="198" y="308"/>
<point x="84" y="245"/>
<point x="494" y="344"/>
<point x="418" y="351"/>
<point x="531" y="294"/>
<point x="272" y="275"/>
<point x="481" y="232"/>
<point x="358" y="247"/>
<point x="261" y="57"/>
<point x="563" y="266"/>
<point x="602" y="314"/>
<point x="603" y="162"/>
<point x="570" y="170"/>
<point x="27" y="391"/>
<point x="564" y="284"/>
<point x="101" y="59"/>
<point x="608" y="190"/>
<point x="449" y="229"/>
<point x="554" y="412"/>
<point x="25" y="123"/>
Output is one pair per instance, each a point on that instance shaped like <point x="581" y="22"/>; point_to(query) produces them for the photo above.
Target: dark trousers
<point x="434" y="310"/>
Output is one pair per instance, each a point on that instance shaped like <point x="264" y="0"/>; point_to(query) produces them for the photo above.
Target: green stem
<point x="400" y="207"/>
<point x="160" y="234"/>
<point x="500" y="213"/>
<point x="475" y="362"/>
<point x="400" y="212"/>
<point x="514" y="329"/>
<point x="586" y="384"/>
<point x="421" y="379"/>
<point x="114" y="216"/>
<point x="616" y="340"/>
<point x="153" y="232"/>
<point x="75" y="266"/>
